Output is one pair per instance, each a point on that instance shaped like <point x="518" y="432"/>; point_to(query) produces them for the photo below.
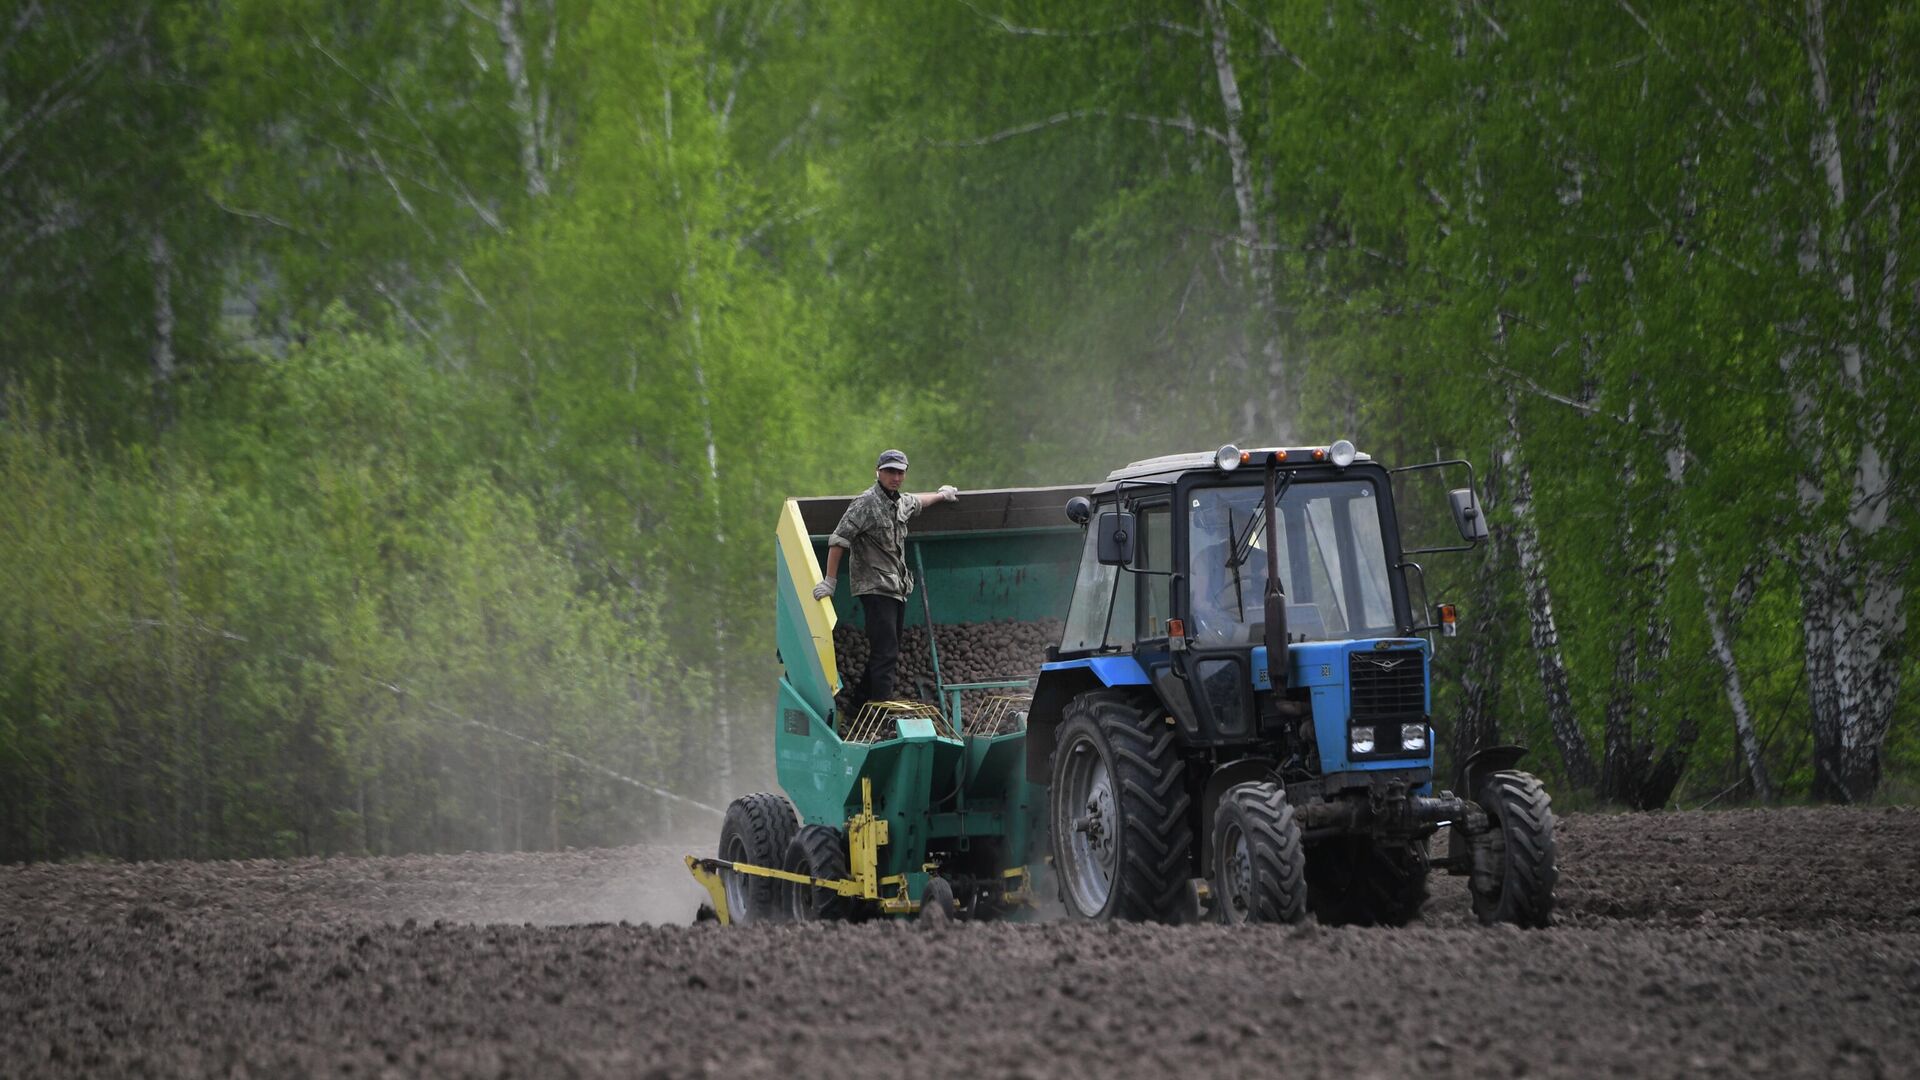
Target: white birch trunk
<point x="1717" y="630"/>
<point x="1575" y="755"/>
<point x="527" y="115"/>
<point x="1252" y="250"/>
<point x="1242" y="171"/>
<point x="1853" y="604"/>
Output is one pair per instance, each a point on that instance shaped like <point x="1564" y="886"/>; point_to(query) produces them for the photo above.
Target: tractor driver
<point x="1228" y="598"/>
<point x="1225" y="609"/>
<point x="874" y="531"/>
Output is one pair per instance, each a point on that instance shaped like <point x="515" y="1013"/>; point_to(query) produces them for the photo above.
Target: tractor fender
<point x="1244" y="771"/>
<point x="1472" y="776"/>
<point x="1483" y="763"/>
<point x="1060" y="682"/>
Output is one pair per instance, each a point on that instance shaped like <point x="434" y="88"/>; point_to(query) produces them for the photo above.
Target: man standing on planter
<point x="874" y="531"/>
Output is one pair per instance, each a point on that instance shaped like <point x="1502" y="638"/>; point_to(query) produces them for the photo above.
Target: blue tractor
<point x="1238" y="718"/>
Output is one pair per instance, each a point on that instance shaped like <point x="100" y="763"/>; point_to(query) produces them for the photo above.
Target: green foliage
<point x="300" y="624"/>
<point x="104" y="243"/>
<point x="400" y="394"/>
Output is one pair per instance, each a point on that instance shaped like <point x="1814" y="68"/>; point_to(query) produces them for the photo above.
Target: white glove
<point x="824" y="589"/>
<point x="949" y="493"/>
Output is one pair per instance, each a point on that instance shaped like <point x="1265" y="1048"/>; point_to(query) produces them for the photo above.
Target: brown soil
<point x="1740" y="943"/>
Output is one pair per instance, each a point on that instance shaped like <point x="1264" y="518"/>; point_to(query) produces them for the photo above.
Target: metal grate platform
<point x="998" y="714"/>
<point x="878" y="721"/>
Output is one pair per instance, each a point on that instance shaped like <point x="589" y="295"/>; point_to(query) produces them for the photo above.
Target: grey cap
<point x="892" y="459"/>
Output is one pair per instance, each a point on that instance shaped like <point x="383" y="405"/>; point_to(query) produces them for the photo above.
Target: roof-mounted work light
<point x="1342" y="453"/>
<point x="1228" y="457"/>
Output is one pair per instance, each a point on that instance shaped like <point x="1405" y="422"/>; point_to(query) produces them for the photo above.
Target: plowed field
<point x="1742" y="943"/>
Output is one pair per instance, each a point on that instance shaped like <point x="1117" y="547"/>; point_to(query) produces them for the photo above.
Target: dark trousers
<point x="883" y="642"/>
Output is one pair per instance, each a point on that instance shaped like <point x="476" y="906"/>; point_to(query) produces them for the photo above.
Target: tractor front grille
<point x="1387" y="685"/>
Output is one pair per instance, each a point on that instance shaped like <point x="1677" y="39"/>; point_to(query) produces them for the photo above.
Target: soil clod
<point x="1777" y="943"/>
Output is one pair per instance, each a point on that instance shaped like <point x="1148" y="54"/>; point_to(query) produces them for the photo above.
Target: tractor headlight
<point x="1228" y="457"/>
<point x="1413" y="736"/>
<point x="1361" y="740"/>
<point x="1341" y="453"/>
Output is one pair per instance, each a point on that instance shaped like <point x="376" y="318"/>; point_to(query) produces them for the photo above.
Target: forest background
<point x="396" y="397"/>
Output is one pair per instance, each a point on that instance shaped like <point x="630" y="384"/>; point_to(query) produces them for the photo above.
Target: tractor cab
<point x="1243" y="676"/>
<point x="1263" y="595"/>
<point x="1180" y="556"/>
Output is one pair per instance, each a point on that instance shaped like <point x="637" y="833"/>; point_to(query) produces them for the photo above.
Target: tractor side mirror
<point x="1116" y="538"/>
<point x="1079" y="509"/>
<point x="1467" y="515"/>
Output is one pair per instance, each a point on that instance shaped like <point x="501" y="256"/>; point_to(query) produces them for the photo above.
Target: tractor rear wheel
<point x="818" y="852"/>
<point x="755" y="831"/>
<point x="1122" y="845"/>
<point x="1524" y="870"/>
<point x="1259" y="862"/>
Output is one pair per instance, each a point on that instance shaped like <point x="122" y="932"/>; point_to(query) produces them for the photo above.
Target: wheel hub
<point x="1238" y="876"/>
<point x="1097" y="822"/>
<point x="736" y="883"/>
<point x="1093" y="848"/>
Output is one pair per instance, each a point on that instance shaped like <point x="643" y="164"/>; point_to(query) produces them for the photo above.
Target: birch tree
<point x="363" y="148"/>
<point x="109" y="256"/>
<point x="1853" y="597"/>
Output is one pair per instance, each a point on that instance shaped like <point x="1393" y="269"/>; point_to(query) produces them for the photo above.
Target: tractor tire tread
<point x="766" y="823"/>
<point x="818" y="851"/>
<point x="1150" y="783"/>
<point x="1274" y="848"/>
<point x="1519" y="805"/>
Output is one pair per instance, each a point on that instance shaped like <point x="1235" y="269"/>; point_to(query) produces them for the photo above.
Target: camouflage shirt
<point x="874" y="532"/>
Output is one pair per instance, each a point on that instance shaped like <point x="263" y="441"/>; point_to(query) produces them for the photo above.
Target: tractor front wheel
<point x="818" y="852"/>
<point x="1259" y="864"/>
<point x="1122" y="844"/>
<point x="1518" y="885"/>
<point x="755" y="831"/>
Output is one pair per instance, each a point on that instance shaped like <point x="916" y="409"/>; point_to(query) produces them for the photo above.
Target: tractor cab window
<point x="1333" y="563"/>
<point x="1156" y="554"/>
<point x="1101" y="612"/>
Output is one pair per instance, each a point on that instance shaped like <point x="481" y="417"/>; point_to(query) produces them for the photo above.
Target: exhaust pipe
<point x="1278" y="665"/>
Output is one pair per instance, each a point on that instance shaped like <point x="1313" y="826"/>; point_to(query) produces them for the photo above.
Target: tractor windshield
<point x="1101" y="610"/>
<point x="1333" y="563"/>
